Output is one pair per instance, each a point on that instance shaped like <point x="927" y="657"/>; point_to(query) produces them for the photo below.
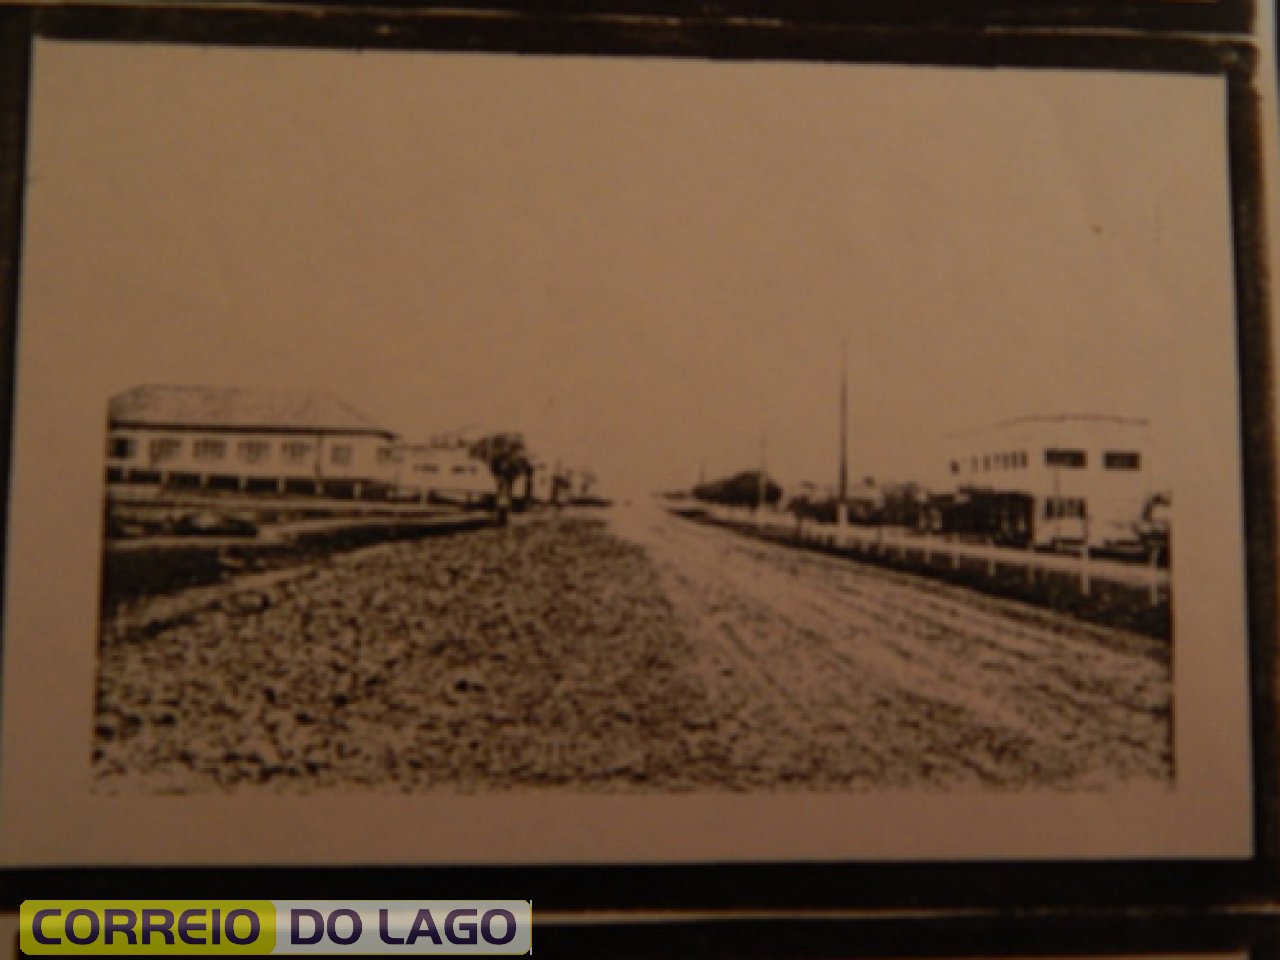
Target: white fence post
<point x="1140" y="576"/>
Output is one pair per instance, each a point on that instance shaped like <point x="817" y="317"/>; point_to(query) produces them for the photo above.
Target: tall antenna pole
<point x="844" y="421"/>
<point x="764" y="461"/>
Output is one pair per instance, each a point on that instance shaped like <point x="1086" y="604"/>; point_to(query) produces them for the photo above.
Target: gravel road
<point x="640" y="652"/>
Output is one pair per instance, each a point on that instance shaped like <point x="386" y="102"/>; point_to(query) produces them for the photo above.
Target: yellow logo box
<point x="147" y="927"/>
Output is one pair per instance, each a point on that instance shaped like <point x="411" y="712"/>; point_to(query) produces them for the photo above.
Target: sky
<point x="652" y="267"/>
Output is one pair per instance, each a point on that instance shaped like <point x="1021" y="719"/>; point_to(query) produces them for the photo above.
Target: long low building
<point x="245" y="439"/>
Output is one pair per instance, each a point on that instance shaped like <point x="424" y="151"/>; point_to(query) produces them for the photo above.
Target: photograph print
<point x="481" y="424"/>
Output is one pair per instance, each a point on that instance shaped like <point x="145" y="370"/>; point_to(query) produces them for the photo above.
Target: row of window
<point x="1053" y="457"/>
<point x="1000" y="461"/>
<point x="162" y="449"/>
<point x="1077" y="459"/>
<point x="1056" y="508"/>
<point x="457" y="468"/>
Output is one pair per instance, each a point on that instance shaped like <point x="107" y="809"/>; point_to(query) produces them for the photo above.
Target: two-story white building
<point x="284" y="441"/>
<point x="1081" y="476"/>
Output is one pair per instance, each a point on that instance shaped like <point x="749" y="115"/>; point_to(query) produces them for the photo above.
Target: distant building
<point x="442" y="469"/>
<point x="1076" y="477"/>
<point x="541" y="481"/>
<point x="244" y="439"/>
<point x="864" y="500"/>
<point x="556" y="482"/>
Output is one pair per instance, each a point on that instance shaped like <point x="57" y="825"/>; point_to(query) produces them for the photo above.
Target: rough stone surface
<point x="645" y="654"/>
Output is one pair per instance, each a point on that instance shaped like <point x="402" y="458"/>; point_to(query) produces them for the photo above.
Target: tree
<point x="508" y="459"/>
<point x="741" y="490"/>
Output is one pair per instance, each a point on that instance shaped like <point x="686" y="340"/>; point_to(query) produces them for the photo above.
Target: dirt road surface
<point x="625" y="651"/>
<point x="823" y="671"/>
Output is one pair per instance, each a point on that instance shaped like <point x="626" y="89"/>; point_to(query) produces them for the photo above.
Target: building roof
<point x="236" y="408"/>
<point x="1096" y="418"/>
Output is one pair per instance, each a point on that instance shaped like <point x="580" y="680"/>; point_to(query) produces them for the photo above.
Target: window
<point x="121" y="448"/>
<point x="340" y="454"/>
<point x="254" y="451"/>
<point x="295" y="452"/>
<point x="387" y="455"/>
<point x="210" y="449"/>
<point x="1058" y="508"/>
<point x="1121" y="460"/>
<point x="955" y="466"/>
<point x="460" y="468"/>
<point x="986" y="463"/>
<point x="165" y="448"/>
<point x="1059" y="457"/>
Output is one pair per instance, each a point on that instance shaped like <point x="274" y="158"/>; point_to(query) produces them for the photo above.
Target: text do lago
<point x="463" y="926"/>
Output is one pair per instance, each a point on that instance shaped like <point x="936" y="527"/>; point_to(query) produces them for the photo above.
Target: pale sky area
<point x="648" y="266"/>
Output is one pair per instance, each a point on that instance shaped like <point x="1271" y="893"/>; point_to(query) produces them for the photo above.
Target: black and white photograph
<point x="505" y="519"/>
<point x="458" y="429"/>
<point x="303" y="617"/>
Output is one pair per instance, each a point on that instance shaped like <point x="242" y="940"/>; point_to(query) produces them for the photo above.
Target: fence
<point x="928" y="550"/>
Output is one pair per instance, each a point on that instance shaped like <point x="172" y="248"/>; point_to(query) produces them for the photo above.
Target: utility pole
<point x="842" y="486"/>
<point x="764" y="457"/>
